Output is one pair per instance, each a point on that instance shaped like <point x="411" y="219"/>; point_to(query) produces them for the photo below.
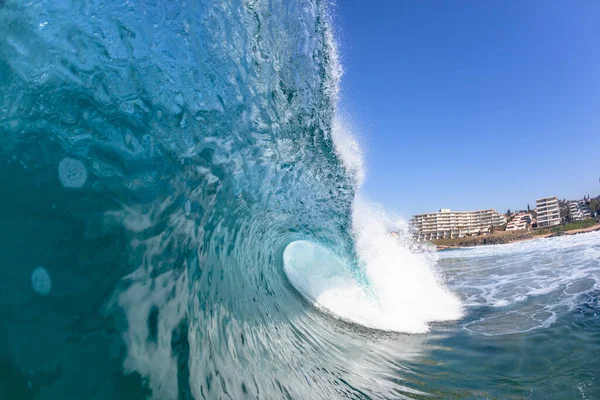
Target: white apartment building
<point x="519" y="222"/>
<point x="453" y="224"/>
<point x="548" y="212"/>
<point x="579" y="210"/>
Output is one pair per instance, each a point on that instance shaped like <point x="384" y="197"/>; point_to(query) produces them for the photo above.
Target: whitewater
<point x="182" y="217"/>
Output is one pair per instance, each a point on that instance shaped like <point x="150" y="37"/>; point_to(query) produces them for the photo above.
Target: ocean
<point x="182" y="217"/>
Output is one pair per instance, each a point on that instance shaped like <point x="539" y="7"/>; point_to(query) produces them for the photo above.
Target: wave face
<point x="158" y="159"/>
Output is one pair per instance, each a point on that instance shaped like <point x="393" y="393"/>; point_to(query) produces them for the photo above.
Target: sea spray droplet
<point x="72" y="173"/>
<point x="40" y="281"/>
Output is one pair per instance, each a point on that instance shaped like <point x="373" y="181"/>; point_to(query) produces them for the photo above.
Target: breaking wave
<point x="179" y="170"/>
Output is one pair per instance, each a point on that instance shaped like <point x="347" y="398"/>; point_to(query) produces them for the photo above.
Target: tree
<point x="565" y="214"/>
<point x="528" y="209"/>
<point x="594" y="206"/>
<point x="508" y="212"/>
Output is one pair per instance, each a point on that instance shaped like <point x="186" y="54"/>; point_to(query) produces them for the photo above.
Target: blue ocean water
<point x="181" y="218"/>
<point x="532" y="323"/>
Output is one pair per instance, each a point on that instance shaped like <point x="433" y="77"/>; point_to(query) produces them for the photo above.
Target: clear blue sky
<point x="473" y="104"/>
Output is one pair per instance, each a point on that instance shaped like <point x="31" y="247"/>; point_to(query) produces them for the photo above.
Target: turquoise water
<point x="182" y="218"/>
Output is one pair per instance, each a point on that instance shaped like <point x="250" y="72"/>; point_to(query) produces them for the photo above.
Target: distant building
<point x="548" y="212"/>
<point x="519" y="222"/>
<point x="454" y="224"/>
<point x="579" y="210"/>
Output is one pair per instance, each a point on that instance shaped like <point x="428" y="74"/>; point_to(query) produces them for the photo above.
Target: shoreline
<point x="525" y="237"/>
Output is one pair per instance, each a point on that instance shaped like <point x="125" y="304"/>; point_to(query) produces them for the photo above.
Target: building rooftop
<point x="447" y="210"/>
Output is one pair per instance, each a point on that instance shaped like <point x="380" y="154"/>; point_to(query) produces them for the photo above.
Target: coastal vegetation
<point x="501" y="237"/>
<point x="586" y="223"/>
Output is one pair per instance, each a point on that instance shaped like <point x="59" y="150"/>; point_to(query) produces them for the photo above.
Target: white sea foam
<point x="402" y="291"/>
<point x="349" y="149"/>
